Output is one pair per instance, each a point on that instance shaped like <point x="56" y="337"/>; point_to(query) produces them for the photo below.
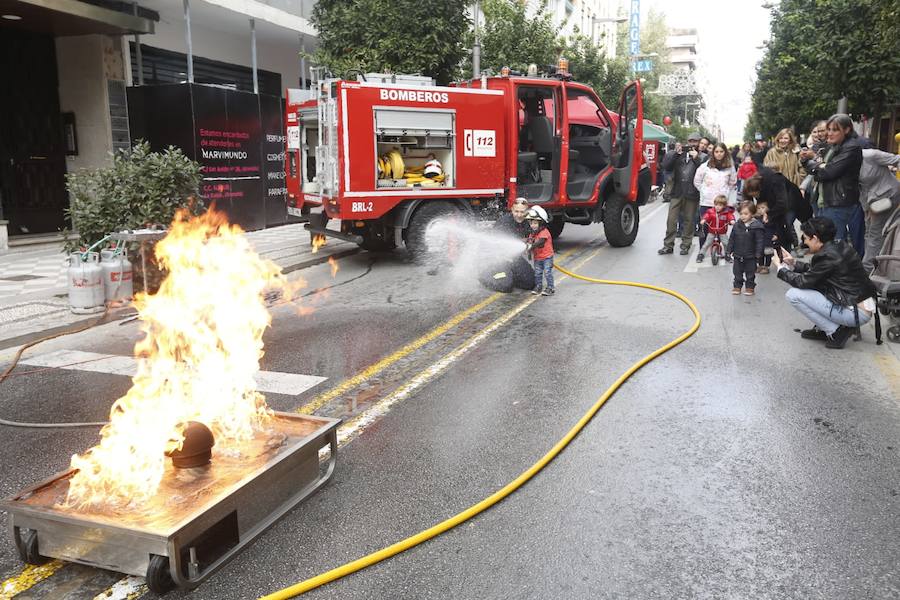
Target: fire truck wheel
<point x="556" y="226"/>
<point x="427" y="215"/>
<point x="620" y="221"/>
<point x="159" y="578"/>
<point x="27" y="543"/>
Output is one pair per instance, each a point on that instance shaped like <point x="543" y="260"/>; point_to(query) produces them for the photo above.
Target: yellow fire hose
<point x="512" y="486"/>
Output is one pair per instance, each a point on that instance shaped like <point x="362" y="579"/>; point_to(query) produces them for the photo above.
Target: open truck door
<point x="629" y="141"/>
<point x="620" y="209"/>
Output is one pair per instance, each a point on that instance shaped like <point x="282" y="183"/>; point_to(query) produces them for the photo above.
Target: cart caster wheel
<point x="27" y="543"/>
<point x="893" y="334"/>
<point x="159" y="578"/>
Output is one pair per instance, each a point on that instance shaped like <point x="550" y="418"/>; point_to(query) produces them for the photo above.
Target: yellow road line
<point x="406" y="350"/>
<point x="28" y="578"/>
<point x="387" y="361"/>
<point x="890" y="368"/>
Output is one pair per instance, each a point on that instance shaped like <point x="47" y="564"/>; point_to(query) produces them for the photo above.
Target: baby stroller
<point x="886" y="276"/>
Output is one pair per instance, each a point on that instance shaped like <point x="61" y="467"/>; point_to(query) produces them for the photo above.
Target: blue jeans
<point x="841" y="216"/>
<point x="543" y="268"/>
<point x="857" y="230"/>
<point x="825" y="314"/>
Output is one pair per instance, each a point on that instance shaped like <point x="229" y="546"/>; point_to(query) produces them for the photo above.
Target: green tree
<point x="589" y="66"/>
<point x="820" y="50"/>
<point x="397" y="36"/>
<point x="511" y="38"/>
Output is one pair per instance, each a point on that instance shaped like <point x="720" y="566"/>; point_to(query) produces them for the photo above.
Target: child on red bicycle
<point x="714" y="223"/>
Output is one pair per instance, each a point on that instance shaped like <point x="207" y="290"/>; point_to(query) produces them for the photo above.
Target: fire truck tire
<point x="426" y="215"/>
<point x="159" y="578"/>
<point x="556" y="226"/>
<point x="620" y="221"/>
<point x="28" y="548"/>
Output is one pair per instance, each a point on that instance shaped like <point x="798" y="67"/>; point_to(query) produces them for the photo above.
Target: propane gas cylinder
<point x="117" y="280"/>
<point x="85" y="283"/>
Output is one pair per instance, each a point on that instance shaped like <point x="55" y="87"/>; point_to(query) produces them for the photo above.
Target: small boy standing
<point x="716" y="220"/>
<point x="540" y="243"/>
<point x="770" y="238"/>
<point x="745" y="246"/>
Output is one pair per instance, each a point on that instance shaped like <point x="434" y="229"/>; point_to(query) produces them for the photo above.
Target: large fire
<point x="197" y="361"/>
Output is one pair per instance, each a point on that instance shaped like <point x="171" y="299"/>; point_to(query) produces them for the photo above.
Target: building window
<point x="165" y="66"/>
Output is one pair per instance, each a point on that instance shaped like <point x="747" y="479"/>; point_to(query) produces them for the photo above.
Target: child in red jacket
<point x="748" y="169"/>
<point x="716" y="220"/>
<point x="540" y="243"/>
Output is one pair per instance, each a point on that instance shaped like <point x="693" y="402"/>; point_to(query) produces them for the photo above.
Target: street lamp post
<point x="476" y="47"/>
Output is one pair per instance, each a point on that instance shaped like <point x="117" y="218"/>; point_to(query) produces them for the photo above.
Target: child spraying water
<point x="540" y="244"/>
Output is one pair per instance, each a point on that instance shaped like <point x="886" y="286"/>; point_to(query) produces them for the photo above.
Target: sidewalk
<point x="33" y="292"/>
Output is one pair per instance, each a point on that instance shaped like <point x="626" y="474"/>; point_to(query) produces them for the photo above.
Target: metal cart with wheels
<point x="197" y="521"/>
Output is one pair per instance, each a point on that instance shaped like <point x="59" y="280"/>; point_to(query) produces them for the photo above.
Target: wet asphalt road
<point x="746" y="463"/>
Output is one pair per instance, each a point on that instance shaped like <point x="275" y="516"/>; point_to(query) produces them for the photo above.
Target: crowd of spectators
<point x="842" y="192"/>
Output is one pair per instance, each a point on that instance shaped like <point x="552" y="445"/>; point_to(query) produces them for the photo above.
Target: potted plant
<point x="139" y="189"/>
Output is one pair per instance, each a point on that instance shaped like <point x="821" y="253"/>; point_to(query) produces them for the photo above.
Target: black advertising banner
<point x="228" y="137"/>
<point x="270" y="111"/>
<point x="221" y="129"/>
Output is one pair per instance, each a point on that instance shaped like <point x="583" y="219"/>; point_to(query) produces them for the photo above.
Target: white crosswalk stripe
<point x="271" y="382"/>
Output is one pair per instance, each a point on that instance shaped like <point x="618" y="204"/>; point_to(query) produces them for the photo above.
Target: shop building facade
<point x="70" y="64"/>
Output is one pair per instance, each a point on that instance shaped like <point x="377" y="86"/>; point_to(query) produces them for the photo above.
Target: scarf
<point x="820" y="200"/>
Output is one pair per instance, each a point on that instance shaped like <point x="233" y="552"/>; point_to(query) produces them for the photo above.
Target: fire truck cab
<point x="549" y="140"/>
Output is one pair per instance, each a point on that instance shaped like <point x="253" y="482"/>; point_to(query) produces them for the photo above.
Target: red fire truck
<point x="549" y="140"/>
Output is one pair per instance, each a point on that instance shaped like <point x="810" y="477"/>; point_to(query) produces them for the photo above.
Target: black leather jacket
<point x="836" y="270"/>
<point x="774" y="191"/>
<point x="683" y="168"/>
<point x="507" y="223"/>
<point x="839" y="177"/>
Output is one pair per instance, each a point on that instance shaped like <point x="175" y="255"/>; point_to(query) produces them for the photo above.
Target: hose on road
<point x="512" y="486"/>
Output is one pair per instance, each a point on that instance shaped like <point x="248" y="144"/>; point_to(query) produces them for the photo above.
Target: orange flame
<point x="318" y="240"/>
<point x="334" y="266"/>
<point x="197" y="361"/>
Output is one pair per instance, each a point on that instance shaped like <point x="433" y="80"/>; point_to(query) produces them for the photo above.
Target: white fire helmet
<point x="433" y="168"/>
<point x="537" y="213"/>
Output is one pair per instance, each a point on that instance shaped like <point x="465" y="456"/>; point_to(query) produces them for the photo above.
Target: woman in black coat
<point x="837" y="174"/>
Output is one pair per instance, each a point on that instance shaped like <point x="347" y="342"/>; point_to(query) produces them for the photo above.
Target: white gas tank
<point x="117" y="275"/>
<point x="86" y="283"/>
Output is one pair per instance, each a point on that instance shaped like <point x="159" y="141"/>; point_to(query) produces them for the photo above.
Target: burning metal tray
<point x="198" y="520"/>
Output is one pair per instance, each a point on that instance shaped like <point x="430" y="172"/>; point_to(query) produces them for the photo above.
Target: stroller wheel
<point x="893" y="334"/>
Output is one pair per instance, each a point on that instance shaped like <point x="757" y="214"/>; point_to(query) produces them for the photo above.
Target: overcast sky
<point x="730" y="33"/>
